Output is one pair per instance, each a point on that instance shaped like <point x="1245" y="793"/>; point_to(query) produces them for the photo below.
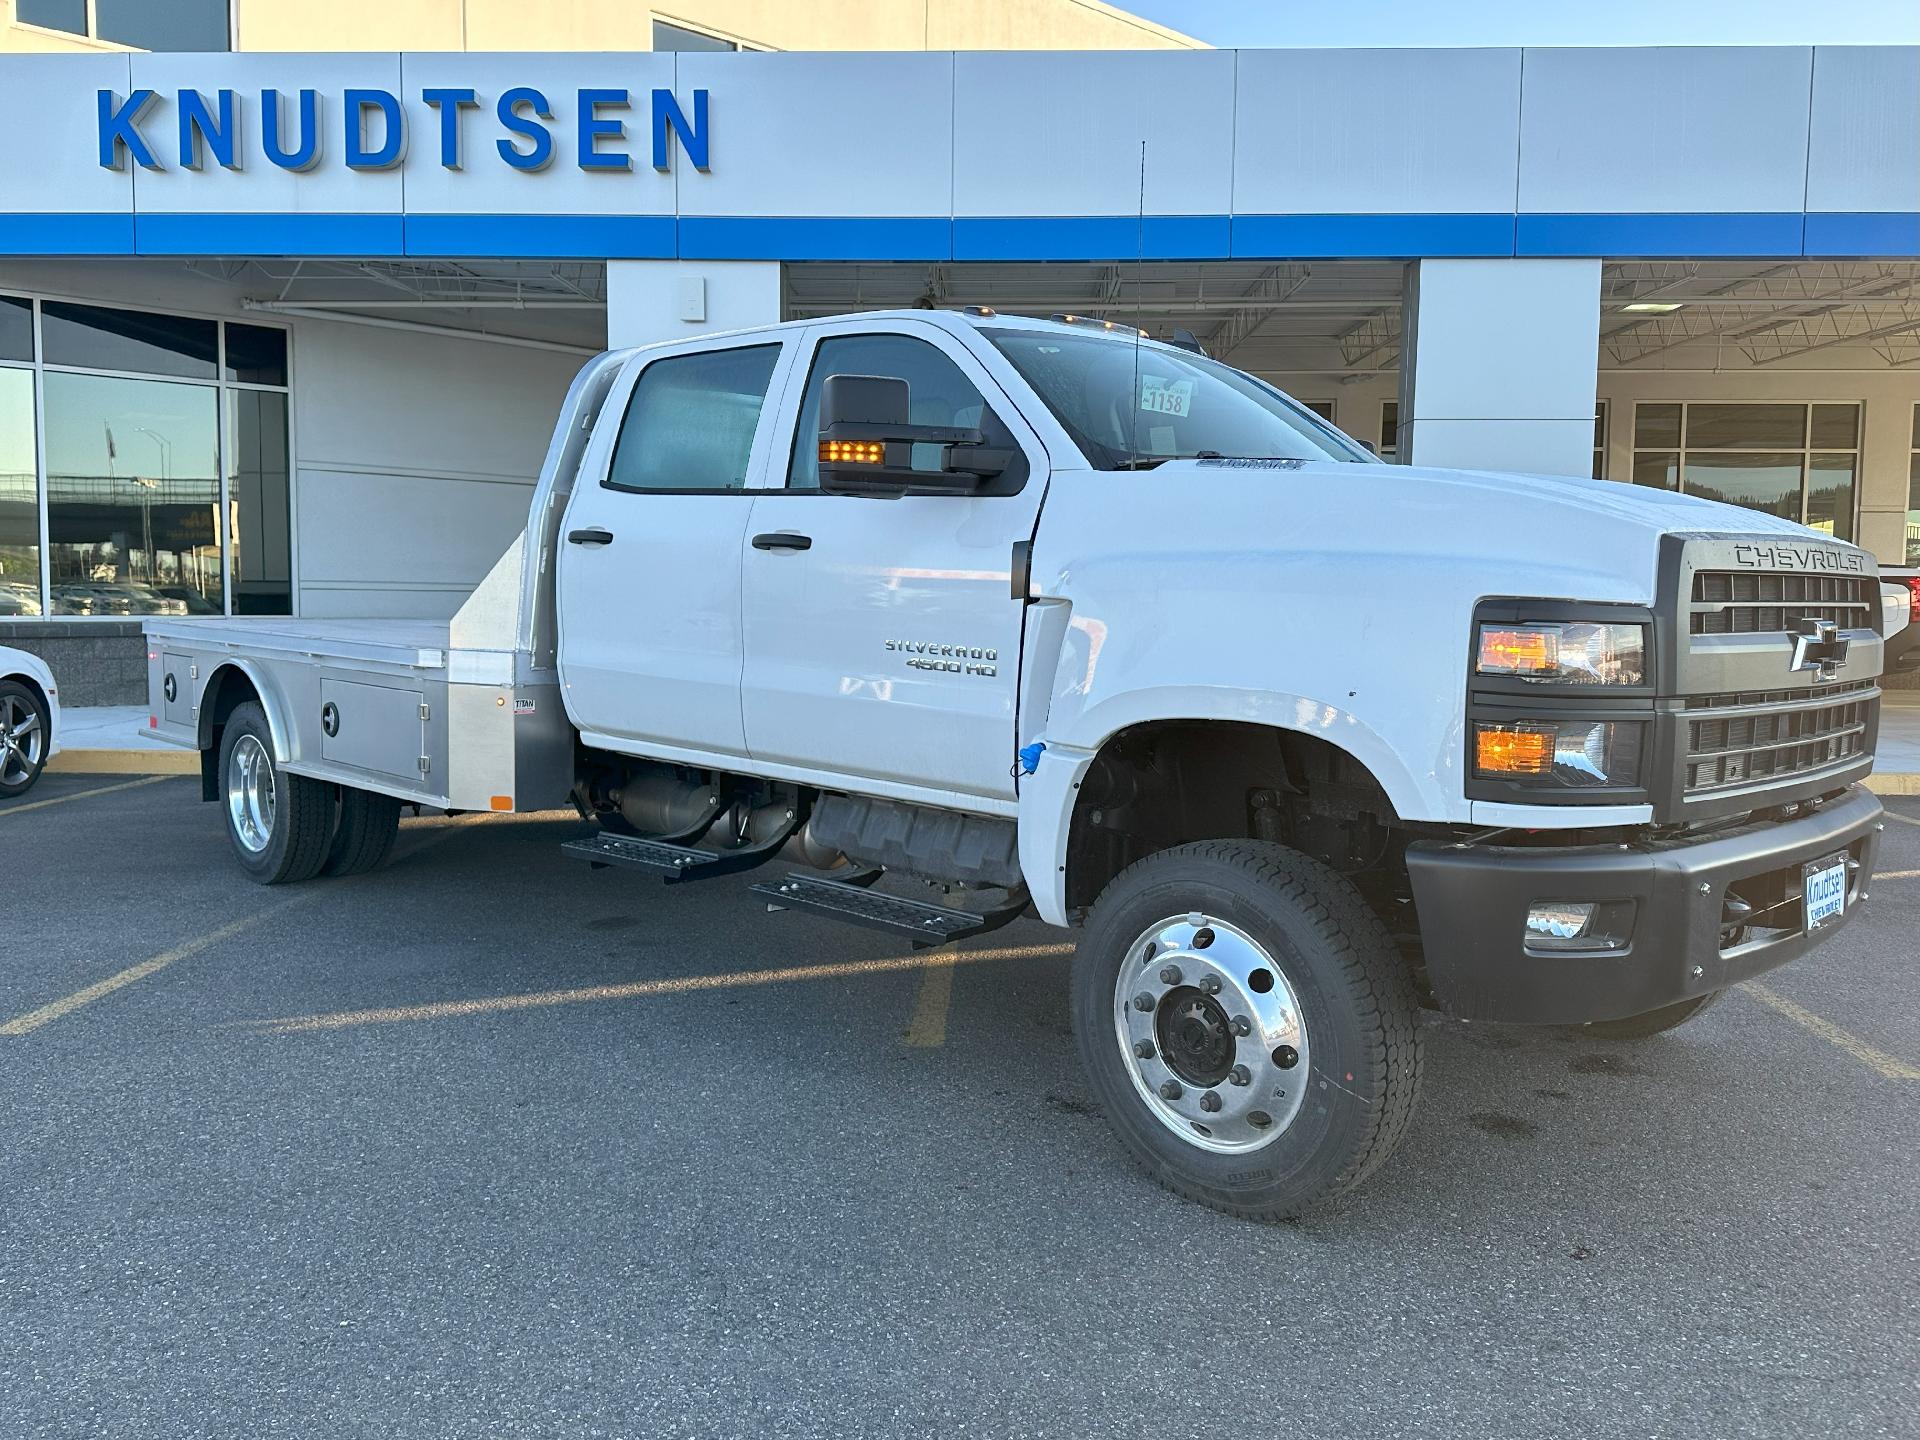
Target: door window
<point x="938" y="394"/>
<point x="690" y="423"/>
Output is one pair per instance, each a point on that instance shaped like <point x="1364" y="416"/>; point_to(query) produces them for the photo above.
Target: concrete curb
<point x="125" y="762"/>
<point x="187" y="762"/>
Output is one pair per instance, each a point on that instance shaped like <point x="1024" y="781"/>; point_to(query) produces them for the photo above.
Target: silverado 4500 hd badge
<point x="953" y="659"/>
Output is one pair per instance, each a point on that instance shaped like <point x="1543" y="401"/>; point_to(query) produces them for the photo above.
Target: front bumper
<point x="1473" y="902"/>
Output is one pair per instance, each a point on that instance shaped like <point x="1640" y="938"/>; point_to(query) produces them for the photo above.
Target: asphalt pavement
<point x="489" y="1144"/>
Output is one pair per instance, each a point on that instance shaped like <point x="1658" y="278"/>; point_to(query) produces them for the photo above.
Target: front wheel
<point x="1247" y="1026"/>
<point x="24" y="738"/>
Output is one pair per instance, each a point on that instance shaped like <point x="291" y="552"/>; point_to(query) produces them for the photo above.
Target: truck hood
<point x="1515" y="496"/>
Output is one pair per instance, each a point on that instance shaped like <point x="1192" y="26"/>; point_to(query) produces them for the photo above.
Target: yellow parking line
<point x="58" y="1009"/>
<point x="928" y="1028"/>
<point x="1903" y="819"/>
<point x="81" y="795"/>
<point x="26" y="1024"/>
<point x="499" y="1004"/>
<point x="1878" y="1060"/>
<point x="1896" y="875"/>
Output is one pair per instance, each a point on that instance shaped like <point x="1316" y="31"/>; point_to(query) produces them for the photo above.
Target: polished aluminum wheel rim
<point x="23" y="740"/>
<point x="250" y="799"/>
<point x="1211" y="1033"/>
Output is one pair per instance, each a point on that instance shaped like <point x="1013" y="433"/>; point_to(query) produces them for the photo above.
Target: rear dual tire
<point x="1247" y="1026"/>
<point x="288" y="828"/>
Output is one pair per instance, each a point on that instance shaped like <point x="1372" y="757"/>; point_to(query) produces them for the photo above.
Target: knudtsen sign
<point x="292" y="128"/>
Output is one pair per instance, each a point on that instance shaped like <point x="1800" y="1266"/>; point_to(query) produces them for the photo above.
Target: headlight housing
<point x="1559" y="754"/>
<point x="1569" y="652"/>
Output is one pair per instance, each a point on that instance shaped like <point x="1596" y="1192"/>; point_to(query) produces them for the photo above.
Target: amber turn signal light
<point x="1513" y="749"/>
<point x="853" y="452"/>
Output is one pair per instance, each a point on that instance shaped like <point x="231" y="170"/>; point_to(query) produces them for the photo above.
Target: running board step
<point x="673" y="863"/>
<point x="924" y="924"/>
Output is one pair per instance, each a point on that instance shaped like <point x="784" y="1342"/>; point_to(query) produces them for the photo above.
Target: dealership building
<point x="284" y="326"/>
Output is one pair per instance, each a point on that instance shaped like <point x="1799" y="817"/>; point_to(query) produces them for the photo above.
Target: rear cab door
<point x="883" y="636"/>
<point x="649" y="563"/>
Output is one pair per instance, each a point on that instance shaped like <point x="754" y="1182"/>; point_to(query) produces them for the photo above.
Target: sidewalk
<point x="107" y="741"/>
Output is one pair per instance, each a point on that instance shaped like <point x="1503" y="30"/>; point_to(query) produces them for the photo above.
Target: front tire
<point x="25" y="737"/>
<point x="280" y="824"/>
<point x="1247" y="1026"/>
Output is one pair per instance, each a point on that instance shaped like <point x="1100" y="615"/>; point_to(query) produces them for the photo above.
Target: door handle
<point x="592" y="535"/>
<point x="782" y="540"/>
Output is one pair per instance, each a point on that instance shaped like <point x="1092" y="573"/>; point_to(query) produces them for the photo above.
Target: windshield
<point x="1129" y="407"/>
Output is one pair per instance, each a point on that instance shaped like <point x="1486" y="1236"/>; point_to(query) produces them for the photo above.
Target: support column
<point x="1498" y="367"/>
<point x="649" y="301"/>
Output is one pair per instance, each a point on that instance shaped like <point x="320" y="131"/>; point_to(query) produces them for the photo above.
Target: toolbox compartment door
<point x="178" y="682"/>
<point x="380" y="729"/>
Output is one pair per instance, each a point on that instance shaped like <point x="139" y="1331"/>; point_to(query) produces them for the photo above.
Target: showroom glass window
<point x="144" y="463"/>
<point x="1797" y="461"/>
<point x="1913" y="494"/>
<point x="177" y="25"/>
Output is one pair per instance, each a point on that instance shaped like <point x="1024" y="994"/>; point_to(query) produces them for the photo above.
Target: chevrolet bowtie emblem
<point x="1819" y="646"/>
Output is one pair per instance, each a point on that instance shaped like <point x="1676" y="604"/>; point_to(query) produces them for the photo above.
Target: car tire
<point x="1314" y="1080"/>
<point x="26" y="734"/>
<point x="1653" y="1022"/>
<point x="363" y="833"/>
<point x="280" y="824"/>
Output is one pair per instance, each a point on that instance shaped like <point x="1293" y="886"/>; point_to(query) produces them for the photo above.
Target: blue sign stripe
<point x="815" y="237"/>
<point x="550" y="237"/>
<point x="290" y="234"/>
<point x="1892" y="234"/>
<point x="1739" y="235"/>
<point x="66" y="235"/>
<point x="1881" y="234"/>
<point x="1091" y="237"/>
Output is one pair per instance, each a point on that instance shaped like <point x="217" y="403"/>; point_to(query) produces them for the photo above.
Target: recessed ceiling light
<point x="1650" y="307"/>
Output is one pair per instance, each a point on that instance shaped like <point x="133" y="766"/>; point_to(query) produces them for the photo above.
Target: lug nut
<point x="1240" y="1075"/>
<point x="1143" y="1001"/>
<point x="1285" y="1056"/>
<point x="1144" y="1049"/>
<point x="1242" y="1025"/>
<point x="1169" y="974"/>
<point x="1209" y="984"/>
<point x="1210" y="1101"/>
<point x="1171" y="1090"/>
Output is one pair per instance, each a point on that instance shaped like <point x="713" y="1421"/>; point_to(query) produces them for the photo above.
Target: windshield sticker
<point x="1161" y="396"/>
<point x="1160" y="440"/>
<point x="1240" y="463"/>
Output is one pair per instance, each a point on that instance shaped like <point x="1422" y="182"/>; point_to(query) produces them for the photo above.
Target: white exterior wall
<point x="649" y="301"/>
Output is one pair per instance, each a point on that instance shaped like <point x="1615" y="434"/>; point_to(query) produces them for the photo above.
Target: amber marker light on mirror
<point x="853" y="452"/>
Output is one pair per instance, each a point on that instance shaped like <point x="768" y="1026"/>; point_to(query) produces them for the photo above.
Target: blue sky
<point x="1540" y="22"/>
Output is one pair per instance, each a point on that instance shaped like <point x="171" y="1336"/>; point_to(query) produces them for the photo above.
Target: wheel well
<point x="1169" y="782"/>
<point x="228" y="688"/>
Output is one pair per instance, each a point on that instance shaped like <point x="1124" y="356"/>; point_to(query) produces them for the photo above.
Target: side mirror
<point x="867" y="442"/>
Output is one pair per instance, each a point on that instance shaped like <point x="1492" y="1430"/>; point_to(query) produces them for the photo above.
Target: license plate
<point x="1826" y="890"/>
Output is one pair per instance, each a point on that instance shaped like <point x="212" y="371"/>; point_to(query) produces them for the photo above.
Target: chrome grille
<point x="1745" y="602"/>
<point x="1757" y="736"/>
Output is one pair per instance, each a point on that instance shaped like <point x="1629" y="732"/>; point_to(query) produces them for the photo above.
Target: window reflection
<point x="19" y="498"/>
<point x="133" y="492"/>
<point x="1760" y="482"/>
<point x="257" y="494"/>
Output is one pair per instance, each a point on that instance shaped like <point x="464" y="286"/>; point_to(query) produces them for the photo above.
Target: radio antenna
<point x="1139" y="300"/>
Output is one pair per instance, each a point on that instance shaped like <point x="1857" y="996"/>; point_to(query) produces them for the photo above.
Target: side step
<point x="921" y="922"/>
<point x="673" y="863"/>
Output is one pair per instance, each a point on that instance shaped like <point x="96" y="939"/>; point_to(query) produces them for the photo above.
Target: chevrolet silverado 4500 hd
<point x="1073" y="624"/>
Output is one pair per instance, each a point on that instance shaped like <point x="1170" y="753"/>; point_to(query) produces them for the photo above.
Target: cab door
<point x="882" y="635"/>
<point x="650" y="553"/>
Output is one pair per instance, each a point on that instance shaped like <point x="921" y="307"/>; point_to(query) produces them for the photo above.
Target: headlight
<point x="1574" y="652"/>
<point x="1576" y="754"/>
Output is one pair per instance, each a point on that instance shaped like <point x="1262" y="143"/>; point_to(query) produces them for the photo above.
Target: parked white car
<point x="29" y="720"/>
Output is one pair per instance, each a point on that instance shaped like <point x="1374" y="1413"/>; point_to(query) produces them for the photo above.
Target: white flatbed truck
<point x="1071" y="624"/>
